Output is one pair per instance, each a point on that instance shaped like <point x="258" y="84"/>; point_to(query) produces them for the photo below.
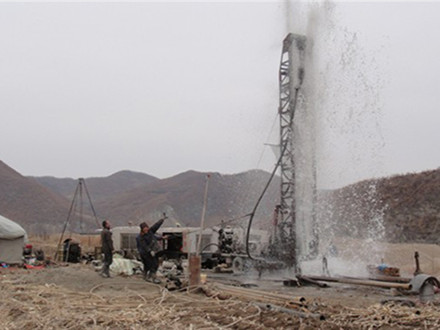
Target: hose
<point x="252" y="214"/>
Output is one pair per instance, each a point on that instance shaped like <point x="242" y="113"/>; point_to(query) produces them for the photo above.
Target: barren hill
<point x="135" y="197"/>
<point x="402" y="208"/>
<point x="34" y="207"/>
<point x="181" y="197"/>
<point x="407" y="205"/>
<point x="100" y="188"/>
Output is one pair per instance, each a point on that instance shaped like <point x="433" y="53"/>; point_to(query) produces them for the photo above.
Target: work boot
<point x="155" y="280"/>
<point x="103" y="273"/>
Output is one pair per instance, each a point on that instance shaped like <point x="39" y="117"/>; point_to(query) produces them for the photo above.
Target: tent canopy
<point x="9" y="229"/>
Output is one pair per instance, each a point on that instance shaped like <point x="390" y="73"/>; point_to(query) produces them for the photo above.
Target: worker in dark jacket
<point x="148" y="247"/>
<point x="107" y="248"/>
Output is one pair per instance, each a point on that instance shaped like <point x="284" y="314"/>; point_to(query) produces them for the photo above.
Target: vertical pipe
<point x="202" y="221"/>
<point x="81" y="219"/>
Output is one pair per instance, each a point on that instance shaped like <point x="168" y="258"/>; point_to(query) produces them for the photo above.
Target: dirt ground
<point x="75" y="296"/>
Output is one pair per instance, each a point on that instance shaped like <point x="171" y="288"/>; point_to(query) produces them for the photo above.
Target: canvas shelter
<point x="12" y="240"/>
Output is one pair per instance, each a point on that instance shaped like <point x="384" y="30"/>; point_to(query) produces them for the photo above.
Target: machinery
<point x="219" y="245"/>
<point x="294" y="232"/>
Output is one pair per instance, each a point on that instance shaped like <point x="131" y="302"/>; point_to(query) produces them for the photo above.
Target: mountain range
<point x="401" y="208"/>
<point x="42" y="204"/>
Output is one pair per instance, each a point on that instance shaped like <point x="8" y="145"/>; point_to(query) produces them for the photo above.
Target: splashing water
<point x="338" y="136"/>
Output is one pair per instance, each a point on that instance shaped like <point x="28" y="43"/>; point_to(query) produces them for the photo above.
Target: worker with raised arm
<point x="148" y="247"/>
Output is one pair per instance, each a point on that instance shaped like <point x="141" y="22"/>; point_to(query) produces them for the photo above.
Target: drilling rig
<point x="294" y="232"/>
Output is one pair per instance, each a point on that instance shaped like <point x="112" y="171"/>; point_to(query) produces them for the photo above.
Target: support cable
<point x="267" y="139"/>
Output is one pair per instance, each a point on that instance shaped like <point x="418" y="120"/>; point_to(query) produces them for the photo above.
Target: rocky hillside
<point x="403" y="208"/>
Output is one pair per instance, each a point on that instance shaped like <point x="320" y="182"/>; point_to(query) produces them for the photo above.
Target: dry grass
<point x="75" y="297"/>
<point x="26" y="306"/>
<point x="135" y="304"/>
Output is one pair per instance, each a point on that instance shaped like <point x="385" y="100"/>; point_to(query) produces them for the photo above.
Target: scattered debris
<point x="399" y="302"/>
<point x="276" y="308"/>
<point x="135" y="304"/>
<point x="305" y="280"/>
<point x="383" y="269"/>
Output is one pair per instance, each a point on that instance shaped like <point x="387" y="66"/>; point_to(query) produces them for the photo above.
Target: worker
<point x="107" y="248"/>
<point x="148" y="247"/>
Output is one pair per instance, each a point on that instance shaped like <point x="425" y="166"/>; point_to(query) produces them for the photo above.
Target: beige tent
<point x="12" y="239"/>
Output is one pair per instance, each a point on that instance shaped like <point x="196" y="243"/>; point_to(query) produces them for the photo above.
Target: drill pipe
<point x="379" y="284"/>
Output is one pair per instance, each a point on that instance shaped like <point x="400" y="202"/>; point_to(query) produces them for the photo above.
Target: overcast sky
<point x="88" y="89"/>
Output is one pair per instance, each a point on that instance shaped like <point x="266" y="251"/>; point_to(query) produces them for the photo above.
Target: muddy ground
<point x="76" y="297"/>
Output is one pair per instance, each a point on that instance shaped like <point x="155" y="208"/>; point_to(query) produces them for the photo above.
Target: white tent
<point x="12" y="238"/>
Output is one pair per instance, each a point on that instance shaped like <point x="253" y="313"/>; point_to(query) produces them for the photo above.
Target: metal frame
<point x="77" y="195"/>
<point x="291" y="75"/>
